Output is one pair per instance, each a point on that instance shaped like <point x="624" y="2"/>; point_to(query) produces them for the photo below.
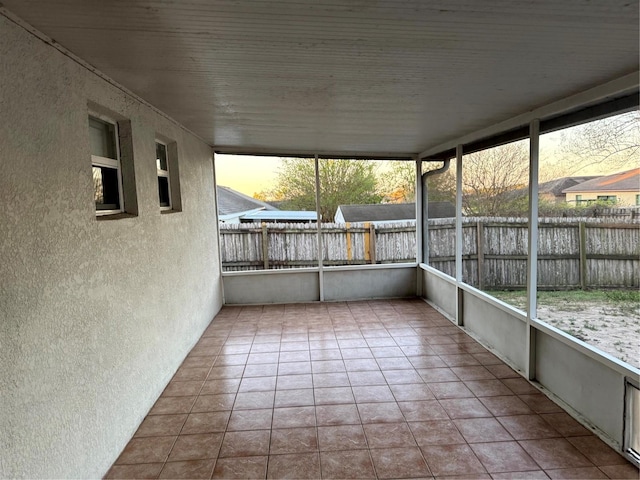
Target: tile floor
<point x="378" y="389"/>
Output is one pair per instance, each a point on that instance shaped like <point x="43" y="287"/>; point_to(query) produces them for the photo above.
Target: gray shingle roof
<point x="559" y="185"/>
<point x="231" y="201"/>
<point x="628" y="181"/>
<point x="384" y="212"/>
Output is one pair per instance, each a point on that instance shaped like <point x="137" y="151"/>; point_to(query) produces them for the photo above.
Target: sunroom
<point x="121" y="325"/>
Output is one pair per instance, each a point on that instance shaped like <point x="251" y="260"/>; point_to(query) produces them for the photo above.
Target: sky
<point x="251" y="174"/>
<point x="246" y="174"/>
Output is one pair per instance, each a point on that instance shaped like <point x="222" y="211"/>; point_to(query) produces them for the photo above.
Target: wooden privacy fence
<point x="251" y="246"/>
<point x="572" y="252"/>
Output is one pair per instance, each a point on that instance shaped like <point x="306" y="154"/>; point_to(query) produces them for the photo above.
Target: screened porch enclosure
<point x="532" y="346"/>
<point x="112" y="286"/>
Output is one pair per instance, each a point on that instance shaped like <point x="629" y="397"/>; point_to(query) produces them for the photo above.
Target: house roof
<point x="390" y="212"/>
<point x="281" y="215"/>
<point x="231" y="201"/>
<point x="559" y="185"/>
<point x="628" y="181"/>
<point x="388" y="77"/>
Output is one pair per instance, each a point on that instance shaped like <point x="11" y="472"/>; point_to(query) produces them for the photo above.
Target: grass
<point x="613" y="302"/>
<point x="623" y="295"/>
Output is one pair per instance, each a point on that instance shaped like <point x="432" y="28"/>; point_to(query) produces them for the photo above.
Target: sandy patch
<point x="611" y="330"/>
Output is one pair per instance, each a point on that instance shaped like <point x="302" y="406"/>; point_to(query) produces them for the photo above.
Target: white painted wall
<point x="439" y="289"/>
<point x="95" y="316"/>
<point x="271" y="286"/>
<point x="498" y="328"/>
<point x="591" y="387"/>
<point x="339" y="284"/>
<point x="364" y="283"/>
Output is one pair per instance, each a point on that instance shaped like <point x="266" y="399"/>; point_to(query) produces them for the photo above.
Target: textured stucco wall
<point x="95" y="316"/>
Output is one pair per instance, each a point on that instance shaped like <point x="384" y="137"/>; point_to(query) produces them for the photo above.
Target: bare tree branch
<point x="613" y="143"/>
<point x="493" y="180"/>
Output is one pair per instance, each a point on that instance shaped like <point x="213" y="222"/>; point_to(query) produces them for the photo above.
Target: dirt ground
<point x="608" y="320"/>
<point x="617" y="335"/>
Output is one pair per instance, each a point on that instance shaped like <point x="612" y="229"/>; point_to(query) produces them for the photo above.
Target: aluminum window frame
<point x="160" y="173"/>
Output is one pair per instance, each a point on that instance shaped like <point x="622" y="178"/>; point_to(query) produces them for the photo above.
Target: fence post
<point x="582" y="232"/>
<point x="367" y="249"/>
<point x="480" y="251"/>
<point x="372" y="244"/>
<point x="348" y="233"/>
<point x="265" y="246"/>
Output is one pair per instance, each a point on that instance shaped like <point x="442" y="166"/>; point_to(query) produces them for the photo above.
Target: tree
<point x="341" y="182"/>
<point x="398" y="184"/>
<point x="442" y="186"/>
<point x="612" y="143"/>
<point x="493" y="180"/>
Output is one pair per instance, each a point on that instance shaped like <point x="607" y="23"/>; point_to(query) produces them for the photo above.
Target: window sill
<point x="169" y="212"/>
<point x="114" y="216"/>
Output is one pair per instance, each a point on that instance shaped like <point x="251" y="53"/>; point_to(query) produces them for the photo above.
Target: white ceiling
<point x="345" y="76"/>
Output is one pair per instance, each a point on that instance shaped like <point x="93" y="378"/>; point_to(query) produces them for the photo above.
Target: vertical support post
<point x="582" y="232"/>
<point x="319" y="235"/>
<point x="348" y="240"/>
<point x="420" y="226"/>
<point x="532" y="263"/>
<point x="459" y="239"/>
<point x="480" y="253"/>
<point x="425" y="220"/>
<point x="265" y="247"/>
<point x="220" y="241"/>
<point x="422" y="232"/>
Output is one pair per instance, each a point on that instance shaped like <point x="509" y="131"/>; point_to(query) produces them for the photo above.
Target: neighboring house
<point x="233" y="205"/>
<point x="621" y="188"/>
<point x="553" y="190"/>
<point x="236" y="207"/>
<point x="390" y="212"/>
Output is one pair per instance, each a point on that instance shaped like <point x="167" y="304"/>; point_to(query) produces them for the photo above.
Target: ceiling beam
<point x="264" y="152"/>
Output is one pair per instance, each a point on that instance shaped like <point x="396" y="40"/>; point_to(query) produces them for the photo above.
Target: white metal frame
<point x="420" y="231"/>
<point x="459" y="296"/>
<point x="112" y="163"/>
<point x="631" y="385"/>
<point x="316" y="165"/>
<point x="532" y="261"/>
